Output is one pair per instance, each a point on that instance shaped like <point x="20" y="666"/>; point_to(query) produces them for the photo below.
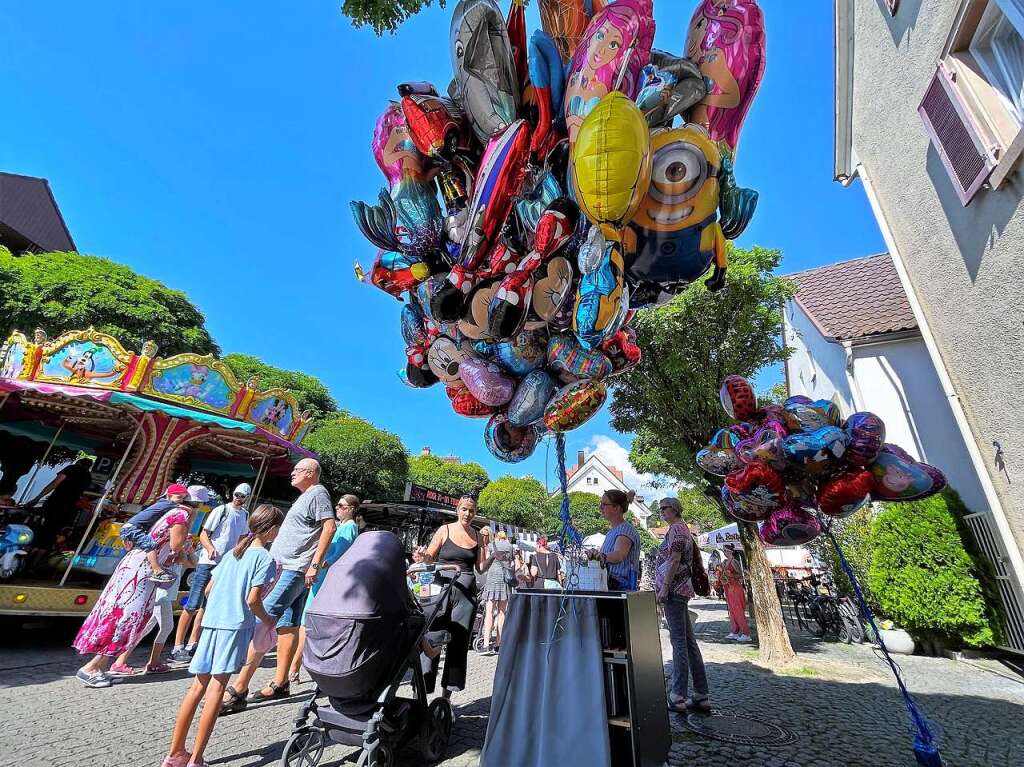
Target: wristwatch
<point x="315" y="565"/>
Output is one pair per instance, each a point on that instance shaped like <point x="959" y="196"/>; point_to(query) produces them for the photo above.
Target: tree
<point x="68" y="291"/>
<point x="356" y="457"/>
<point x="515" y="501"/>
<point x="383" y="15"/>
<point x="309" y="391"/>
<point x="922" y="576"/>
<point x="655" y="520"/>
<point x="585" y="509"/>
<point x="670" y="400"/>
<point x="451" y="478"/>
<point x="700" y="511"/>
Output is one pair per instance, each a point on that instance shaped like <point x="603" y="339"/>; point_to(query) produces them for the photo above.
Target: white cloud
<point x="615" y="455"/>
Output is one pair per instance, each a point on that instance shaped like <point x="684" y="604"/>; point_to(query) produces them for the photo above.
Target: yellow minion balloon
<point x="678" y="235"/>
<point x="611" y="162"/>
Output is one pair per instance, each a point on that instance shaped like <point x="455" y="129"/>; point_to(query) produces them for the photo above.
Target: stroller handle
<point x="422" y="567"/>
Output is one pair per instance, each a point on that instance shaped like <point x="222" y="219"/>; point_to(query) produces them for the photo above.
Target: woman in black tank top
<point x="445" y="548"/>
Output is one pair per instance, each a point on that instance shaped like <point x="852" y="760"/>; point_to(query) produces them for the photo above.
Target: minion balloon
<point x="677" y="232"/>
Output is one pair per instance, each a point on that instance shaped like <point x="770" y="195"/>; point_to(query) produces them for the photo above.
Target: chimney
<point x="581" y="458"/>
<point x="425" y="451"/>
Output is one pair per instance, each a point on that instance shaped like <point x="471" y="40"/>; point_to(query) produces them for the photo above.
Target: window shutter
<point x="957" y="138"/>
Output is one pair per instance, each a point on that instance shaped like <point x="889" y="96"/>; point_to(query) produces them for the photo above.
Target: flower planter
<point x="897" y="641"/>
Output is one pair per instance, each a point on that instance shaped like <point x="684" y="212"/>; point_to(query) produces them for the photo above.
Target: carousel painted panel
<point x="14" y="361"/>
<point x="84" y="358"/>
<point x="275" y="410"/>
<point x="194" y="381"/>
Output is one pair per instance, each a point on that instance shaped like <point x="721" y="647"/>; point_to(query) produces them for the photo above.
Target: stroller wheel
<point x="304" y="748"/>
<point x="436" y="730"/>
<point x="384" y="756"/>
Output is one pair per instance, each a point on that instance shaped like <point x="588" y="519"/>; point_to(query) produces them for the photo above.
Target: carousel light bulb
<point x="20" y="598"/>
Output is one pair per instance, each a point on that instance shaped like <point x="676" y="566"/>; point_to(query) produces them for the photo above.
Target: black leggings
<point x="458" y="620"/>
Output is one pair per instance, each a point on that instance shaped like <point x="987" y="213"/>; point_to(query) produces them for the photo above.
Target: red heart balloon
<point x="757" y="488"/>
<point x="847" y="491"/>
<point x="622" y="350"/>
<point x="464" y="403"/>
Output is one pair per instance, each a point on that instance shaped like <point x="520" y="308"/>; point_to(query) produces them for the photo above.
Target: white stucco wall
<point x="966" y="265"/>
<point x="897" y="382"/>
<point x="817" y="367"/>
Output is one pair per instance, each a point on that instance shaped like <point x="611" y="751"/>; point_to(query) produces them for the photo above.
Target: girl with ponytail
<point x="234" y="603"/>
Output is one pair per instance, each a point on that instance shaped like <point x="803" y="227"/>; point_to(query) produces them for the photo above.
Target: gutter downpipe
<point x="1012" y="549"/>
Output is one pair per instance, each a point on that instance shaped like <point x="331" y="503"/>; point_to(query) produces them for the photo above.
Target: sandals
<point x="277" y="692"/>
<point x="236" y="701"/>
<point x="679" y="707"/>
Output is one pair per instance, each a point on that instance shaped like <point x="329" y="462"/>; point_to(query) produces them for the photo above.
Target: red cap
<point x="176" y="489"/>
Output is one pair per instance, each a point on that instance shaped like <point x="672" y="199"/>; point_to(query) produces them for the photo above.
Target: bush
<point x="922" y="576"/>
<point x="854" y="536"/>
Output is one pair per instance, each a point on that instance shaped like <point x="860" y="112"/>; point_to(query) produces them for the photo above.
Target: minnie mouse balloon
<point x="866" y="434"/>
<point x="531" y="397"/>
<point x="789" y="527"/>
<point x="487" y="381"/>
<point x="509" y="443"/>
<point x="738" y="398"/>
<point x="444" y="358"/>
<point x="846" y="492"/>
<point x="897" y="477"/>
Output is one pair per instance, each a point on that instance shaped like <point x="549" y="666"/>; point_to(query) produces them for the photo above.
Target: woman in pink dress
<point x="730" y="579"/>
<point x="126" y="604"/>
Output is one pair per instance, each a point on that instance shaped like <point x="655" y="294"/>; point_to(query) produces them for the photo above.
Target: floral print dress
<point x="126" y="604"/>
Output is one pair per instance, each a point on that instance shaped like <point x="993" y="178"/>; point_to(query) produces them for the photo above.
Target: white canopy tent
<point x="793" y="557"/>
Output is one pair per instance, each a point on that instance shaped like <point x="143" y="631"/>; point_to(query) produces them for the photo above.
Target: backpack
<point x="698" y="574"/>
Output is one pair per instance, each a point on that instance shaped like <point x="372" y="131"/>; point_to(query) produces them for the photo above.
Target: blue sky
<point x="215" y="147"/>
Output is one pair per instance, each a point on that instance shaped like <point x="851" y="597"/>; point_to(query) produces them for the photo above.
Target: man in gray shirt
<point x="299" y="550"/>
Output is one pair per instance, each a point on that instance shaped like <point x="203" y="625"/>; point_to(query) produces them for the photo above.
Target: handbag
<point x="698" y="574"/>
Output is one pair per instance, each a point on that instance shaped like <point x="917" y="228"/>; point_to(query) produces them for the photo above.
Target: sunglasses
<point x="241" y="495"/>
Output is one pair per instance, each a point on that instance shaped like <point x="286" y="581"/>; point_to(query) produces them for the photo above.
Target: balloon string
<point x="926" y="751"/>
<point x="567" y="534"/>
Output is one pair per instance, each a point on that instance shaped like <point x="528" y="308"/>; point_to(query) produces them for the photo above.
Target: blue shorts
<point x="139" y="538"/>
<point x="287" y="600"/>
<point x="200" y="579"/>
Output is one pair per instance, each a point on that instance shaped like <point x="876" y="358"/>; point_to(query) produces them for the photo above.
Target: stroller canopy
<point x="367" y="582"/>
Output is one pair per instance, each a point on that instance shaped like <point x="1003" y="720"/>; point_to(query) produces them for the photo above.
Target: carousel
<point x="145" y="420"/>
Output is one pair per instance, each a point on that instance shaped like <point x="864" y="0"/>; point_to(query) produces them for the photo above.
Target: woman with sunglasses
<point x="620" y="553"/>
<point x="346" y="532"/>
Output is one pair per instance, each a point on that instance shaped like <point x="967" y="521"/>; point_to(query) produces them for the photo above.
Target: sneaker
<point x="122" y="669"/>
<point x="157" y="668"/>
<point x="731" y="636"/>
<point x="181" y="656"/>
<point x="743" y="638"/>
<point x="163" y="578"/>
<point x="93" y="680"/>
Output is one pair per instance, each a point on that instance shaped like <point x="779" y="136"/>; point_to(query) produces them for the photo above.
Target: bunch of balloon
<point x="564" y="179"/>
<point x="783" y="463"/>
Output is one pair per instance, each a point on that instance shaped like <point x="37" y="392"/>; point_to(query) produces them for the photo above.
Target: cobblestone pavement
<point x="839" y="701"/>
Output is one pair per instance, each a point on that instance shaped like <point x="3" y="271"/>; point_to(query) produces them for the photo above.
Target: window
<point x="973" y="109"/>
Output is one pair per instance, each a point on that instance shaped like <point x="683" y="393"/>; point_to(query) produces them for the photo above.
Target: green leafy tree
<point x="515" y="501"/>
<point x="854" y="536"/>
<point x="383" y="15"/>
<point x="670" y="400"/>
<point x="655" y="520"/>
<point x="357" y="457"/>
<point x="922" y="576"/>
<point x="700" y="511"/>
<point x="585" y="509"/>
<point x="775" y="395"/>
<point x="309" y="391"/>
<point x="68" y="291"/>
<point x="451" y="478"/>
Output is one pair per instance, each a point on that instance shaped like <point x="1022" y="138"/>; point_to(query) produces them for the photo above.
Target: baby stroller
<point x="363" y="634"/>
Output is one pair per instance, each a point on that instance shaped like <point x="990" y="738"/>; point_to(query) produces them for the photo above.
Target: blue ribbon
<point x="926" y="751"/>
<point x="567" y="534"/>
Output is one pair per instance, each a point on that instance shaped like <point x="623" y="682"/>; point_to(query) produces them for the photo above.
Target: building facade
<point x="29" y="217"/>
<point x="592" y="475"/>
<point x="854" y="341"/>
<point x="929" y="117"/>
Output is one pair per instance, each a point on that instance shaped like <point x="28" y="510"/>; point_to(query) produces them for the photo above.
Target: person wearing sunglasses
<point x="222" y="529"/>
<point x="620" y="552"/>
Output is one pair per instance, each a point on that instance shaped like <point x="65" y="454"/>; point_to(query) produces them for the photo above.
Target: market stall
<point x="146" y="420"/>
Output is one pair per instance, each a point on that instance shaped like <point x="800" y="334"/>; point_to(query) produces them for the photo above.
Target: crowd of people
<point x="255" y="573"/>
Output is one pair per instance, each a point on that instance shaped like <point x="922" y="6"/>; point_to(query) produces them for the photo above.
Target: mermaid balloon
<point x="566" y="21"/>
<point x="611" y="55"/>
<point x="408" y="219"/>
<point x="726" y="40"/>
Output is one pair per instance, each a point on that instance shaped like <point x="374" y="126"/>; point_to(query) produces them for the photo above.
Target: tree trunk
<point x="772" y="635"/>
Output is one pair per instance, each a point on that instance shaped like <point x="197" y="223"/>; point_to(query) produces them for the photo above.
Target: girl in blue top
<point x="620" y="553"/>
<point x="233" y="604"/>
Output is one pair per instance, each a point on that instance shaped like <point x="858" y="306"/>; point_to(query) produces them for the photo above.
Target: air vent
<point x="955" y="135"/>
